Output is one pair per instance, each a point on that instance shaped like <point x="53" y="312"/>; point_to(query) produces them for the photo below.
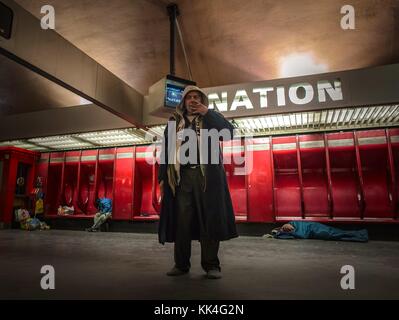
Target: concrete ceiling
<point x="23" y="91"/>
<point x="227" y="41"/>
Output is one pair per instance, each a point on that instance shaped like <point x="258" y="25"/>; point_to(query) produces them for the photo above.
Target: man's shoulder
<point x="214" y="111"/>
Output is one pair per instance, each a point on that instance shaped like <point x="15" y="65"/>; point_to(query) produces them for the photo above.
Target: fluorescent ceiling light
<point x="298" y="122"/>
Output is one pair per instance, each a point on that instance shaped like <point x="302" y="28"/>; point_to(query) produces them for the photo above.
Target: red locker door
<point x="374" y="158"/>
<point x="42" y="173"/>
<point x="345" y="187"/>
<point x="143" y="184"/>
<point x="234" y="165"/>
<point x="87" y="182"/>
<point x="287" y="189"/>
<point x="394" y="141"/>
<point x="123" y="196"/>
<point x="70" y="194"/>
<point x="54" y="183"/>
<point x="260" y="193"/>
<point x="105" y="173"/>
<point x="314" y="175"/>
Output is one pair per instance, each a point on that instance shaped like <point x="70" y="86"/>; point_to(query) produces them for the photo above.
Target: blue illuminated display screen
<point x="173" y="94"/>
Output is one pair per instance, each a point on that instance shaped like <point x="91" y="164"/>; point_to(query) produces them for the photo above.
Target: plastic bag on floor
<point x="65" y="210"/>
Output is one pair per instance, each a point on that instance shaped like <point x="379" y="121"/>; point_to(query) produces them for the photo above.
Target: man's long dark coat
<point x="218" y="212"/>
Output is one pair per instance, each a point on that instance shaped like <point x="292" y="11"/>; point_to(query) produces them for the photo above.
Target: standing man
<point x="196" y="202"/>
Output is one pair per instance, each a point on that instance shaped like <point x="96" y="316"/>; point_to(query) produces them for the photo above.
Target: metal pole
<point x="173" y="12"/>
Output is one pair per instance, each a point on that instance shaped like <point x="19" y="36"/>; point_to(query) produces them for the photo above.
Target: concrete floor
<point x="133" y="266"/>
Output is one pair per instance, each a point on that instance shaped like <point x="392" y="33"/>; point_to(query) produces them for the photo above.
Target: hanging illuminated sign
<point x="257" y="97"/>
<point x="377" y="86"/>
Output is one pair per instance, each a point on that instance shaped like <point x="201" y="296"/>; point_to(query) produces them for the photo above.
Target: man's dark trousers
<point x="190" y="216"/>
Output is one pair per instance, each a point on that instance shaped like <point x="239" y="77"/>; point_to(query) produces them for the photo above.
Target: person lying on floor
<point x="315" y="230"/>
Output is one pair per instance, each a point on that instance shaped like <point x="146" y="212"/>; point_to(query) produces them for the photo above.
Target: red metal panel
<point x="332" y="177"/>
<point x="143" y="184"/>
<point x="105" y="173"/>
<point x="123" y="197"/>
<point x="328" y="170"/>
<point x="87" y="183"/>
<point x="314" y="175"/>
<point x="260" y="195"/>
<point x="72" y="157"/>
<point x="273" y="174"/>
<point x="54" y="185"/>
<point x="10" y="166"/>
<point x="108" y="151"/>
<point x="394" y="136"/>
<point x="298" y="156"/>
<point x="286" y="178"/>
<point x="234" y="165"/>
<point x="374" y="158"/>
<point x="394" y="133"/>
<point x="392" y="188"/>
<point x="344" y="181"/>
<point x="42" y="167"/>
<point x="11" y="158"/>
<point x="70" y="181"/>
<point x="56" y="156"/>
<point x="156" y="191"/>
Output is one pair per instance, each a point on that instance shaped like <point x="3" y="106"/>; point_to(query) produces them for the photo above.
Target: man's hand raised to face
<point x="198" y="108"/>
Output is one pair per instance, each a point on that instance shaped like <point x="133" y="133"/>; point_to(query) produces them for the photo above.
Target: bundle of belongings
<point x="39" y="206"/>
<point x="315" y="230"/>
<point x="27" y="223"/>
<point x="104" y="205"/>
<point x="65" y="210"/>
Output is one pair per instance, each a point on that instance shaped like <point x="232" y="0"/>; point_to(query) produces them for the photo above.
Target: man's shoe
<point x="176" y="272"/>
<point x="214" y="274"/>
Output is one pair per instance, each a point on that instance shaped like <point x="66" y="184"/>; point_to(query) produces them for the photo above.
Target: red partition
<point x="54" y="183"/>
<point x="374" y="158"/>
<point x="123" y="195"/>
<point x="394" y="144"/>
<point x="70" y="186"/>
<point x="260" y="181"/>
<point x="105" y="173"/>
<point x="143" y="208"/>
<point x="287" y="189"/>
<point x="234" y="165"/>
<point x="87" y="183"/>
<point x="336" y="176"/>
<point x="314" y="175"/>
<point x="345" y="187"/>
<point x="16" y="181"/>
<point x="42" y="167"/>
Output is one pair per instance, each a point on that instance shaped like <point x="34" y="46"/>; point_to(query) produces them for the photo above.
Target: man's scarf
<point x="173" y="169"/>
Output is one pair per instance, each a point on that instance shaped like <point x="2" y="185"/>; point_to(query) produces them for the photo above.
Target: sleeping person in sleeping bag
<point x="315" y="230"/>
